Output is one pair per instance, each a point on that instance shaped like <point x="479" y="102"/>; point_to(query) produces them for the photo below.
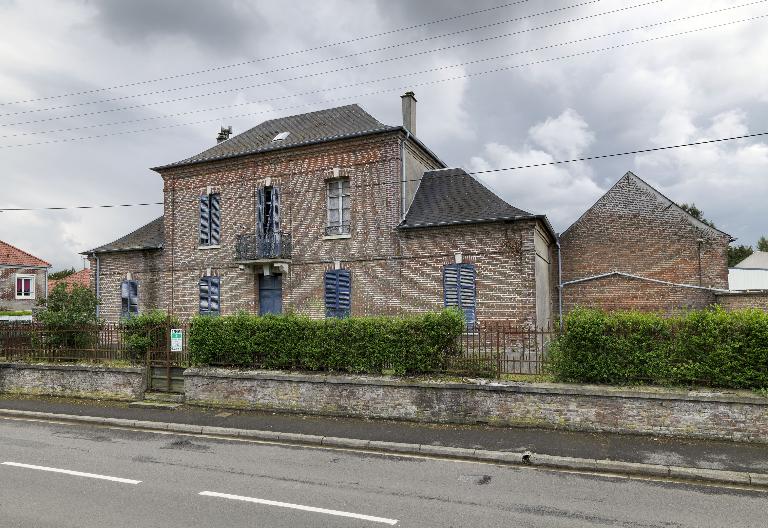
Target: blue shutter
<point x="215" y="218"/>
<point x="124" y="299"/>
<point x="260" y="214"/>
<point x="338" y="293"/>
<point x="133" y="298"/>
<point x="459" y="289"/>
<point x="205" y="300"/>
<point x="205" y="220"/>
<point x="275" y="210"/>
<point x="215" y="289"/>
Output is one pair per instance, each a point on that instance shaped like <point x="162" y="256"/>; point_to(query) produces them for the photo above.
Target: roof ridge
<point x="25" y="252"/>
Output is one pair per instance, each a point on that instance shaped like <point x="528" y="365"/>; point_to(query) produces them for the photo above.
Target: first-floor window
<point x="25" y="286"/>
<point x="459" y="289"/>
<point x="210" y="292"/>
<point x="129" y="296"/>
<point x="338" y="293"/>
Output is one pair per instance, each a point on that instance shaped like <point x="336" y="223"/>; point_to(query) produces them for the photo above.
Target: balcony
<point x="266" y="247"/>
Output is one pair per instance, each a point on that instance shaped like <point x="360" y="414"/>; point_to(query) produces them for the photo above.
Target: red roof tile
<point x="11" y="255"/>
<point x="82" y="277"/>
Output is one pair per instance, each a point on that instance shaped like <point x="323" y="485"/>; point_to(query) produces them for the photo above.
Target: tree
<point x="697" y="213"/>
<point x="69" y="316"/>
<point x="738" y="253"/>
<point x="762" y="244"/>
<point x="56" y="275"/>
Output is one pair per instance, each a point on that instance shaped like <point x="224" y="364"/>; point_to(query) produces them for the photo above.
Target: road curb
<point x="478" y="455"/>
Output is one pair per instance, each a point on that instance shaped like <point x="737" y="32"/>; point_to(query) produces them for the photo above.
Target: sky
<point x="96" y="92"/>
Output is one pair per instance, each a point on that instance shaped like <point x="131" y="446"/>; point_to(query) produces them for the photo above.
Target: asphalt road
<point x="128" y="478"/>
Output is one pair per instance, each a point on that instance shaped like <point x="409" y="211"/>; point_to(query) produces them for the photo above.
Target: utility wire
<point x="241" y="88"/>
<point x="487" y="171"/>
<point x="341" y="57"/>
<point x="262" y="59"/>
<point x="532" y="50"/>
<point x="411" y="85"/>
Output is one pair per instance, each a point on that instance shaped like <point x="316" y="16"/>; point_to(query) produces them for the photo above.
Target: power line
<point x="532" y="50"/>
<point x="411" y="85"/>
<point x="240" y="88"/>
<point x="262" y="59"/>
<point x="341" y="57"/>
<point x="487" y="171"/>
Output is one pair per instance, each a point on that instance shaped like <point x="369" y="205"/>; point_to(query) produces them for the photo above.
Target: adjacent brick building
<point x="23" y="279"/>
<point x="329" y="213"/>
<point x="636" y="249"/>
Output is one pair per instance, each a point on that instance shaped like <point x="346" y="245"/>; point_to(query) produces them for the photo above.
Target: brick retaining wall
<point x="73" y="381"/>
<point x="731" y="416"/>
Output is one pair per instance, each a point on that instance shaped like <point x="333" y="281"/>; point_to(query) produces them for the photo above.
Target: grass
<point x="16" y="313"/>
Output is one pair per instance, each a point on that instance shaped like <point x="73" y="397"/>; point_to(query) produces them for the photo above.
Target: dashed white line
<point x="313" y="509"/>
<point x="73" y="473"/>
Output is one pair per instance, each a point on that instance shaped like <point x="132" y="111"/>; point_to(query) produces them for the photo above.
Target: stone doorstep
<point x="755" y="480"/>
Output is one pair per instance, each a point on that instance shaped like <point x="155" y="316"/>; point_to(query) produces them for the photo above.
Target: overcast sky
<point x="699" y="85"/>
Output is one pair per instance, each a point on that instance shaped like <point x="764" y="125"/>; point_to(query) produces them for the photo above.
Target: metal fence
<point x="500" y="347"/>
<point x="490" y="348"/>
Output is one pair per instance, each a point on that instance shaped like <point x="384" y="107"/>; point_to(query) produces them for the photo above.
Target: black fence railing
<point x="270" y="245"/>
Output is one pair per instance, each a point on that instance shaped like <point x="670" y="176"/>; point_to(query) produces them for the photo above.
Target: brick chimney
<point x="409" y="111"/>
<point x="224" y="134"/>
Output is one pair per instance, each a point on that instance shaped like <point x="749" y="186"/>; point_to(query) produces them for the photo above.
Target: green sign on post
<point x="176" y="340"/>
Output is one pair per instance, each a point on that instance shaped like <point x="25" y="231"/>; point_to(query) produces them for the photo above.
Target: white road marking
<point x="73" y="473"/>
<point x="300" y="507"/>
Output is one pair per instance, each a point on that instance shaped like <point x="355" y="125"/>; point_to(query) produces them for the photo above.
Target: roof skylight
<point x="281" y="136"/>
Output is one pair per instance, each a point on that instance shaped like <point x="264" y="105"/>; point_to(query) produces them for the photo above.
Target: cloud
<point x="560" y="192"/>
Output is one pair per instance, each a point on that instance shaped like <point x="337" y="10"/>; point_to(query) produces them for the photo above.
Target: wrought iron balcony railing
<point x="267" y="246"/>
<point x="338" y="229"/>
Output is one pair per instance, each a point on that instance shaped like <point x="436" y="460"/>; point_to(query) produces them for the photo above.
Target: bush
<point x="704" y="347"/>
<point x="69" y="316"/>
<point x="405" y="345"/>
<point x="147" y="330"/>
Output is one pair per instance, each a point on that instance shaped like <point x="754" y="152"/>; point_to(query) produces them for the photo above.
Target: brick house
<point x="329" y="213"/>
<point x="81" y="278"/>
<point x="23" y="279"/>
<point x="636" y="249"/>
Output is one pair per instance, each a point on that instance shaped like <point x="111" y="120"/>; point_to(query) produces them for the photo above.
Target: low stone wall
<point x="732" y="416"/>
<point x="73" y="380"/>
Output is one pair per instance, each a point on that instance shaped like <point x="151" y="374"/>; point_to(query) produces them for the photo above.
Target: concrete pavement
<point x="254" y="484"/>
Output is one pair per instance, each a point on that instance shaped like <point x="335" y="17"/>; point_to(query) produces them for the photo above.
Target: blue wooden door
<point x="270" y="294"/>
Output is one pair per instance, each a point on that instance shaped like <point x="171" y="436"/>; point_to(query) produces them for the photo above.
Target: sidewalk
<point x="702" y="454"/>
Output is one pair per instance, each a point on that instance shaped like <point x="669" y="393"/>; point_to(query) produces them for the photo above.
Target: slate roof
<point x="312" y="127"/>
<point x="757" y="260"/>
<point x="451" y="196"/>
<point x="149" y="236"/>
<point x="13" y="256"/>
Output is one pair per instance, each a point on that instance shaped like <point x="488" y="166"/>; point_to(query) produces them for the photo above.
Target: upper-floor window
<point x="267" y="210"/>
<point x="210" y="295"/>
<point x="338" y="293"/>
<point x="210" y="219"/>
<point x="459" y="289"/>
<point x="338" y="207"/>
<point x="129" y="299"/>
<point x="25" y="286"/>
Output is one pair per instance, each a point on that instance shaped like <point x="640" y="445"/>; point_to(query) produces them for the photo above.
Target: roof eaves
<point x="99" y="251"/>
<point x="404" y="225"/>
<point x="38" y="259"/>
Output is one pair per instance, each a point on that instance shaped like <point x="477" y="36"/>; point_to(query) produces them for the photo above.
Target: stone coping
<point x="71" y="367"/>
<point x="654" y="393"/>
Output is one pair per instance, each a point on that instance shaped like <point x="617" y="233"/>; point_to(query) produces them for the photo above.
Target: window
<point x="25" y="286"/>
<point x="459" y="289"/>
<point x="210" y="219"/>
<point x="210" y="291"/>
<point x="129" y="296"/>
<point x="338" y="207"/>
<point x="338" y="293"/>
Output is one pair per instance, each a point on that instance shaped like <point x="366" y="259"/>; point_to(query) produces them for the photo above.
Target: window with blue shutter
<point x="210" y="295"/>
<point x="129" y="297"/>
<point x="210" y="219"/>
<point x="338" y="293"/>
<point x="459" y="289"/>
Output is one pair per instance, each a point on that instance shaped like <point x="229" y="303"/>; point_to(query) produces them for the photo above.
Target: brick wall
<point x="8" y="288"/>
<point x="633" y="229"/>
<point x="740" y="300"/>
<point x="144" y="267"/>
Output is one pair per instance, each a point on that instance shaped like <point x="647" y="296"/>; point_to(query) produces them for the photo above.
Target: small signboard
<point x="176" y="340"/>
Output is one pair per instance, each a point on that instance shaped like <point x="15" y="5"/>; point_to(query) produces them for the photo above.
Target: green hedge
<point x="706" y="347"/>
<point x="146" y="330"/>
<point x="405" y="345"/>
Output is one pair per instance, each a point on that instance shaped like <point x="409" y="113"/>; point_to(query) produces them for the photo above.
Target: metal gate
<point x="165" y="367"/>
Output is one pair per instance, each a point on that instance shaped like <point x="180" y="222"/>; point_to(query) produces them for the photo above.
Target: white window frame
<point x="344" y="199"/>
<point x="31" y="285"/>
